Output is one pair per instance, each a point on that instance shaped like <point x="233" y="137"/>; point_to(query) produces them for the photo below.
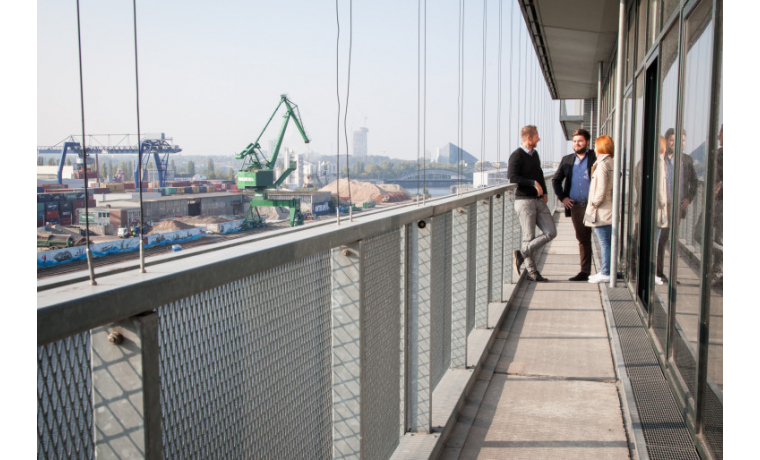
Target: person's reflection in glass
<point x="686" y="193"/>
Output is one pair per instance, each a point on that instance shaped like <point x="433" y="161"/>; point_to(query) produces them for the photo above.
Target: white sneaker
<point x="599" y="278"/>
<point x="658" y="281"/>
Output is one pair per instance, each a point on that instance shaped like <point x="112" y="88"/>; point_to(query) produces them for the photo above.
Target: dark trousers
<point x="583" y="235"/>
<point x="662" y="243"/>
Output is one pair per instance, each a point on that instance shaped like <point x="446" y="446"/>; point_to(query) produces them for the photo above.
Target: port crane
<point x="257" y="173"/>
<point x="156" y="144"/>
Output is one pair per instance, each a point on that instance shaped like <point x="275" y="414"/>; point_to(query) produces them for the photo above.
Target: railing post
<point x="511" y="236"/>
<point x="126" y="389"/>
<point x="347" y="350"/>
<point x="462" y="281"/>
<point x="482" y="251"/>
<point x="497" y="248"/>
<point x="420" y="390"/>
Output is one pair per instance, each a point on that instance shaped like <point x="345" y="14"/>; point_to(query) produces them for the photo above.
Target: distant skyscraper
<point x="360" y="142"/>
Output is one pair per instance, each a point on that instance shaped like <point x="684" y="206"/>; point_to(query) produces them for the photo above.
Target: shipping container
<point x="40" y="223"/>
<point x="40" y="207"/>
<point x="55" y="221"/>
<point x="188" y="190"/>
<point x="51" y="215"/>
<point x="70" y="196"/>
<point x="40" y="189"/>
<point x="51" y="206"/>
<point x="40" y="215"/>
<point x="65" y="206"/>
<point x="65" y="220"/>
<point x="43" y="197"/>
<point x="64" y="213"/>
<point x="56" y="197"/>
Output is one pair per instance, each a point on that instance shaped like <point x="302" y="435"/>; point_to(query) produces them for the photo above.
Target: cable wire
<point x="337" y="93"/>
<point x="424" y="112"/>
<point x="139" y="141"/>
<point x="483" y="95"/>
<point x="88" y="253"/>
<point x="345" y="111"/>
<point x="498" y="106"/>
<point x="419" y="45"/>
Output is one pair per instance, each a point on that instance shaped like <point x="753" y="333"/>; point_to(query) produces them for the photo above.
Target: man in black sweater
<point x="571" y="184"/>
<point x="524" y="169"/>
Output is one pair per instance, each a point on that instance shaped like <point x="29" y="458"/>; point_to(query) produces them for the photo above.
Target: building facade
<point x="661" y="99"/>
<point x="360" y="142"/>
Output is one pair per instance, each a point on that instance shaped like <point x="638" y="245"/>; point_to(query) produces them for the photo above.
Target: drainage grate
<point x="663" y="426"/>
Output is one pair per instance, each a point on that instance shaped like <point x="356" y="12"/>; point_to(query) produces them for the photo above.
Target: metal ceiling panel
<point x="573" y="37"/>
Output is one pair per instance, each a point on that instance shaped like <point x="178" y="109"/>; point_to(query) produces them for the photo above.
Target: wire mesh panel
<point x="482" y="252"/>
<point x="245" y="367"/>
<point x="460" y="274"/>
<point x="441" y="297"/>
<point x="497" y="247"/>
<point x="472" y="229"/>
<point x="64" y="399"/>
<point x="402" y="331"/>
<point x="511" y="235"/>
<point x="380" y="381"/>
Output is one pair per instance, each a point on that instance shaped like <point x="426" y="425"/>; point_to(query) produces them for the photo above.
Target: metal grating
<point x="459" y="276"/>
<point x="438" y="316"/>
<point x="713" y="422"/>
<point x="64" y="399"/>
<point x="402" y="331"/>
<point x="380" y="381"/>
<point x="663" y="426"/>
<point x="245" y="368"/>
<point x="472" y="227"/>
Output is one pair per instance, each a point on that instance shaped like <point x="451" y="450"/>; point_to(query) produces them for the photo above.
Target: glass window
<point x="635" y="188"/>
<point x="654" y="7"/>
<point x="642" y="37"/>
<point x="664" y="183"/>
<point x="625" y="180"/>
<point x="713" y="398"/>
<point x="668" y="7"/>
<point x="691" y="148"/>
<point x="631" y="37"/>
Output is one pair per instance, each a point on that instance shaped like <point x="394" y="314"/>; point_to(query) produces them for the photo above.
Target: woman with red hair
<point x="599" y="209"/>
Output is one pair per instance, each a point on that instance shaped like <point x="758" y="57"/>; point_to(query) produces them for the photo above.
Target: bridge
<point x="432" y="178"/>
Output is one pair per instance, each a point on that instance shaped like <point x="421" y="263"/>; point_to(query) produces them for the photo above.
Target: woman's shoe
<point x="599" y="278"/>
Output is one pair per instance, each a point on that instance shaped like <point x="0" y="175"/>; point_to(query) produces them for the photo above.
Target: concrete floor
<point x="551" y="390"/>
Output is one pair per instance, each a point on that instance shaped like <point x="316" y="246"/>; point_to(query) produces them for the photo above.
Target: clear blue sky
<point x="211" y="74"/>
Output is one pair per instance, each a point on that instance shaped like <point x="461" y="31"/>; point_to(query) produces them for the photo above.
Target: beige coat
<point x="599" y="208"/>
<point x="662" y="212"/>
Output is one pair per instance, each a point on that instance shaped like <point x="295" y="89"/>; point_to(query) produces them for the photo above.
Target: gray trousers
<point x="532" y="213"/>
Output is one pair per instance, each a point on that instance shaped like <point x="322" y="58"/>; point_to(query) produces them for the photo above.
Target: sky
<point x="210" y="77"/>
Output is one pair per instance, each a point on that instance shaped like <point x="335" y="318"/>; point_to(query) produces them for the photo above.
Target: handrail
<point x="67" y="310"/>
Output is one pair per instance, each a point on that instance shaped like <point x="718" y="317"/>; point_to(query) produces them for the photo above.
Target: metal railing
<point x="325" y="342"/>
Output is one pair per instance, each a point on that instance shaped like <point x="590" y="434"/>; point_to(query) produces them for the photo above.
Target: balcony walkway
<point x="549" y="388"/>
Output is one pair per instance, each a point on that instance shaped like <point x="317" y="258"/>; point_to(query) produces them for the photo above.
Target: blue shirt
<point x="580" y="180"/>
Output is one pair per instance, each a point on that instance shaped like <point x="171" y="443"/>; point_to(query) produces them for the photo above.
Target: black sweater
<point x="524" y="169"/>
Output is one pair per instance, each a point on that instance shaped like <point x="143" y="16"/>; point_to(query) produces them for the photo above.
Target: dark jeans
<point x="661" y="246"/>
<point x="583" y="235"/>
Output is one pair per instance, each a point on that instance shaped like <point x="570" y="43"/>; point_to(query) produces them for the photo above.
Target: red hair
<point x="604" y="145"/>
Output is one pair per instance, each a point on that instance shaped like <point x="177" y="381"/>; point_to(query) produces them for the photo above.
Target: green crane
<point x="257" y="172"/>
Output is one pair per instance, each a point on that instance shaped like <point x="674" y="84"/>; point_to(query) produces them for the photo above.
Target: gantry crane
<point x="257" y="172"/>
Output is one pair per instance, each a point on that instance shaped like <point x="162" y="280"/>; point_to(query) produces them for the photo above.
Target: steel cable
<point x="87" y="251"/>
<point x="337" y="92"/>
<point x="139" y="141"/>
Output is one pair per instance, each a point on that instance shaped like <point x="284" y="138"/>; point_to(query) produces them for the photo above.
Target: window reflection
<point x="635" y="189"/>
<point x="664" y="183"/>
<point x="690" y="190"/>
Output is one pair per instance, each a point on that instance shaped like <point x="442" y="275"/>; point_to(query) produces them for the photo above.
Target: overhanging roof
<point x="571" y="38"/>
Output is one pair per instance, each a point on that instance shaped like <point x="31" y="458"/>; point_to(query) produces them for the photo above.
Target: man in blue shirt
<point x="571" y="184"/>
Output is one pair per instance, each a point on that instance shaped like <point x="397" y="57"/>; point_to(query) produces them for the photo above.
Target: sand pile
<point x="364" y="192"/>
<point x="274" y="213"/>
<point x="169" y="226"/>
